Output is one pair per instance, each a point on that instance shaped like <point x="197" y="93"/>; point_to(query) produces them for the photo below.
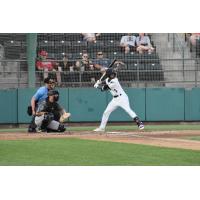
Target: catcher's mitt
<point x="64" y="117"/>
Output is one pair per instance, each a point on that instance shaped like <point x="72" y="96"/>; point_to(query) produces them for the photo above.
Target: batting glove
<point x="96" y="85"/>
<point x="98" y="82"/>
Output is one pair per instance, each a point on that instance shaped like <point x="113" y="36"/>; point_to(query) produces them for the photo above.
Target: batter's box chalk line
<point x="125" y="134"/>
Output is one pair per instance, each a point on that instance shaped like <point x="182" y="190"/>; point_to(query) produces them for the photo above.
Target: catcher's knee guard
<point x="47" y="119"/>
<point x="61" y="128"/>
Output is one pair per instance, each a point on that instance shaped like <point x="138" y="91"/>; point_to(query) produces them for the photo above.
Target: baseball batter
<point x="120" y="99"/>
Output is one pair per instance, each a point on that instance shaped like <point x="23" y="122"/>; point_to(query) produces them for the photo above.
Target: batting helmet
<point x="111" y="73"/>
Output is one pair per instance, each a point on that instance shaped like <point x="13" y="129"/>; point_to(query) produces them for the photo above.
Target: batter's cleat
<point x="99" y="130"/>
<point x="141" y="126"/>
<point x="39" y="130"/>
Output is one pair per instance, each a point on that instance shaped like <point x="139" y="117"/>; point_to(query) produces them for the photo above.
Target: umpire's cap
<point x="49" y="80"/>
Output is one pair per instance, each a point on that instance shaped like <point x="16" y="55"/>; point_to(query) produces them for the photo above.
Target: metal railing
<point x="14" y="74"/>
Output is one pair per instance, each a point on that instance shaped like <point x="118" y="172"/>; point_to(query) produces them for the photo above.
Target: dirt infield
<point x="174" y="139"/>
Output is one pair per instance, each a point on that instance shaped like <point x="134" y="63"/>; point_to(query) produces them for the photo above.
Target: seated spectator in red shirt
<point x="46" y="65"/>
<point x="143" y="44"/>
<point x="43" y="63"/>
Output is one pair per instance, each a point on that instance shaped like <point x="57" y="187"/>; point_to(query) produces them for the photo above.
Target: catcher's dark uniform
<point x="50" y="119"/>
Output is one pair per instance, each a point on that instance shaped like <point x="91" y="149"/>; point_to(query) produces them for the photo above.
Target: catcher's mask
<point x="54" y="93"/>
<point x="111" y="73"/>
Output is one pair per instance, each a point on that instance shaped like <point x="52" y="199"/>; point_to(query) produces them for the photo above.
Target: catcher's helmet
<point x="54" y="93"/>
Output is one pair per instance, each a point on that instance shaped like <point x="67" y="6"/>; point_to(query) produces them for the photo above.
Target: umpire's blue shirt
<point x="41" y="94"/>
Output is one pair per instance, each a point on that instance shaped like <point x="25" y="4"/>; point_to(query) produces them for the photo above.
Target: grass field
<point x="193" y="138"/>
<point x="78" y="152"/>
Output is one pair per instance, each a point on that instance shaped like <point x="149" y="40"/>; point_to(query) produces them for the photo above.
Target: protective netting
<point x="78" y="59"/>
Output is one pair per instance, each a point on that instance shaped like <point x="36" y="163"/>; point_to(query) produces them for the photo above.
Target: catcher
<point x="50" y="115"/>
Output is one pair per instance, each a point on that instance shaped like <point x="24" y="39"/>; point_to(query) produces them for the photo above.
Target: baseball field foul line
<point x="124" y="134"/>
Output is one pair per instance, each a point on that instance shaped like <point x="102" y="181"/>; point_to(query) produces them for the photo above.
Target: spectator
<point x="46" y="65"/>
<point x="67" y="65"/>
<point x="85" y="64"/>
<point x="90" y="37"/>
<point x="195" y="44"/>
<point x="43" y="64"/>
<point x="194" y="37"/>
<point x="143" y="44"/>
<point x="1" y="52"/>
<point x="102" y="63"/>
<point x="127" y="43"/>
<point x="58" y="70"/>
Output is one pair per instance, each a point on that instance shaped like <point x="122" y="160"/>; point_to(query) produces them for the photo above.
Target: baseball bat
<point x="113" y="62"/>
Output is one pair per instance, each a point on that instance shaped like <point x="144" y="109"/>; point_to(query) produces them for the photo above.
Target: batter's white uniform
<point x="120" y="99"/>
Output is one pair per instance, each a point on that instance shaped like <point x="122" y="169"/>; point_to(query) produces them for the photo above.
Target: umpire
<point x="37" y="98"/>
<point x="48" y="114"/>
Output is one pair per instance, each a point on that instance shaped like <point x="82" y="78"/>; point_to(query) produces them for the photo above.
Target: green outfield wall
<point x="88" y="104"/>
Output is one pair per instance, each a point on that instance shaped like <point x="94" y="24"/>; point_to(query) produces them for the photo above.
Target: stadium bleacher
<point x="145" y="67"/>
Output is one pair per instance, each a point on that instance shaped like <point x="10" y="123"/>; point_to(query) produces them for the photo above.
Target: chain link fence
<point x="13" y="74"/>
<point x="170" y="65"/>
